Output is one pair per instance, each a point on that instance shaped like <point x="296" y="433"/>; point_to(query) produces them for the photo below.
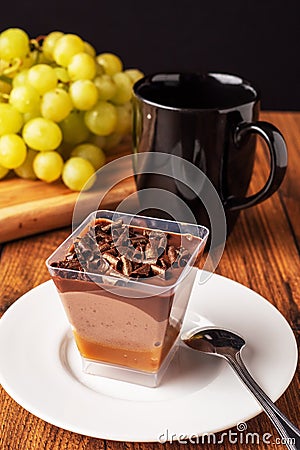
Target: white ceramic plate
<point x="41" y="369"/>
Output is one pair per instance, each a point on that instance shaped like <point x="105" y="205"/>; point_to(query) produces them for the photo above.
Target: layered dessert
<point x="118" y="284"/>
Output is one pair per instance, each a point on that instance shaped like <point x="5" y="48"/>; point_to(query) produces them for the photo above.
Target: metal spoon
<point x="227" y="345"/>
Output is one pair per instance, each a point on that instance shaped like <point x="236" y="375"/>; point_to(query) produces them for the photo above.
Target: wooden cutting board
<point x="29" y="207"/>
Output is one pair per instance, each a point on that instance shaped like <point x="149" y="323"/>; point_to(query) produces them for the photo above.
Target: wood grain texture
<point x="261" y="253"/>
<point x="289" y="124"/>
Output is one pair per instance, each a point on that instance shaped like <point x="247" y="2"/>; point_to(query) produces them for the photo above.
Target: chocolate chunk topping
<point x="121" y="250"/>
<point x="162" y="262"/>
<point x="127" y="266"/>
<point x="157" y="270"/>
<point x="113" y="251"/>
<point x="112" y="260"/>
<point x="142" y="271"/>
<point x="138" y="239"/>
<point x="104" y="247"/>
<point x="172" y="254"/>
<point x="106" y="228"/>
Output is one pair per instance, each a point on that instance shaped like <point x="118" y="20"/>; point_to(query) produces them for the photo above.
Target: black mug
<point x="211" y="121"/>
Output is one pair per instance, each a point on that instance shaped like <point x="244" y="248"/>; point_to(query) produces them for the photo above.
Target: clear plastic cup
<point x="127" y="328"/>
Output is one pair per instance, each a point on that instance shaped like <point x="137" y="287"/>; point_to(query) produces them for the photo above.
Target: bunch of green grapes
<point x="61" y="106"/>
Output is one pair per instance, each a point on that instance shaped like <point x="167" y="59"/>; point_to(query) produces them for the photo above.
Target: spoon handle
<point x="289" y="433"/>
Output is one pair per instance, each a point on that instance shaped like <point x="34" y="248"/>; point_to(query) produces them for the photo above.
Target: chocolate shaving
<point x="142" y="271"/>
<point x="172" y="254"/>
<point x="163" y="263"/>
<point x="100" y="239"/>
<point x="113" y="251"/>
<point x="102" y="234"/>
<point x="104" y="247"/>
<point x="70" y="256"/>
<point x="85" y="250"/>
<point x="157" y="270"/>
<point x="106" y="228"/>
<point x="127" y="266"/>
<point x="103" y="266"/>
<point x="138" y="240"/>
<point x="113" y="260"/>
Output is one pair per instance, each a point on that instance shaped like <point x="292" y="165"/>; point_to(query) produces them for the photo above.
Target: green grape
<point x="82" y="67"/>
<point x="62" y="74"/>
<point x="25" y="170"/>
<point x="12" y="151"/>
<point x="11" y="120"/>
<point x="48" y="166"/>
<point x="124" y="119"/>
<point x="101" y="119"/>
<point x="111" y="63"/>
<point x="14" y="43"/>
<point x="3" y="172"/>
<point x="89" y="49"/>
<point x="42" y="134"/>
<point x="42" y="77"/>
<point x="84" y="94"/>
<point x="24" y="98"/>
<point x="92" y="153"/>
<point x="49" y="43"/>
<point x="74" y="129"/>
<point x="112" y="141"/>
<point x="106" y="87"/>
<point x="66" y="47"/>
<point x="20" y="79"/>
<point x="78" y="174"/>
<point x="56" y="105"/>
<point x="124" y="88"/>
<point x="134" y="74"/>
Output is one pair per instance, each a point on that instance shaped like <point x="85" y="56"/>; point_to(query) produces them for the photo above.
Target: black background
<point x="258" y="40"/>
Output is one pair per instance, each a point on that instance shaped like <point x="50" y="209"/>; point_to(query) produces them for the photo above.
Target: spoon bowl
<point x="214" y="340"/>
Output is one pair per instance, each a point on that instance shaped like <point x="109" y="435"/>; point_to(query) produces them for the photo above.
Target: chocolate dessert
<point x="118" y="284"/>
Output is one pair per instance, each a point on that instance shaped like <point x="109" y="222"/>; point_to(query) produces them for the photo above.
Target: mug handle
<point x="278" y="153"/>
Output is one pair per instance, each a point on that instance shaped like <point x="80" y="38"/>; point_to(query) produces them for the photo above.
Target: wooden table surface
<point x="261" y="253"/>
